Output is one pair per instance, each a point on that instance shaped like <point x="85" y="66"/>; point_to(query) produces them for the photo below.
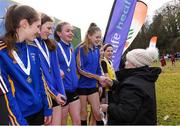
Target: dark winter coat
<point x="134" y="98"/>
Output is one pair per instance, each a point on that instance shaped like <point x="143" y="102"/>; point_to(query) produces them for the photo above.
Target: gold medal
<point x="68" y="69"/>
<point x="29" y="80"/>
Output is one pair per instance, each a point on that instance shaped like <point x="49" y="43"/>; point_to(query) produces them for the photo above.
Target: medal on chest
<point x="22" y="66"/>
<point x="65" y="57"/>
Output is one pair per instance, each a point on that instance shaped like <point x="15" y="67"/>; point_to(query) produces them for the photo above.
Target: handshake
<point x="105" y="81"/>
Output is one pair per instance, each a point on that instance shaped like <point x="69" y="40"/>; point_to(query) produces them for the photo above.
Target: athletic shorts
<point x="54" y="103"/>
<point x="71" y="96"/>
<point x="86" y="91"/>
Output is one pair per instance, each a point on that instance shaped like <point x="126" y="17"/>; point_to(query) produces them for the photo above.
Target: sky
<point x="81" y="13"/>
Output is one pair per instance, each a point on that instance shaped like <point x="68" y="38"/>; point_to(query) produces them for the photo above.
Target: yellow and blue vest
<point x="110" y="69"/>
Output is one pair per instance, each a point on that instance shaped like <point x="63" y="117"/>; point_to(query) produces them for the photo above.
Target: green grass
<point x="168" y="95"/>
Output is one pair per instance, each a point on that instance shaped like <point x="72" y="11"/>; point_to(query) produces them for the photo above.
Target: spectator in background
<point x="173" y="59"/>
<point x="134" y="100"/>
<point x="163" y="62"/>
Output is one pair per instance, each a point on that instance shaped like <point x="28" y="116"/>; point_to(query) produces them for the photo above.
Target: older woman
<point x="134" y="100"/>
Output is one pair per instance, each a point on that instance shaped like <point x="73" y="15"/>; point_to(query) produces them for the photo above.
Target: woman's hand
<point x="108" y="82"/>
<point x="104" y="107"/>
<point x="105" y="81"/>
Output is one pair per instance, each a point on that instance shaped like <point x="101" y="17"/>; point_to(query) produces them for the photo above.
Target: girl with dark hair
<point x="50" y="67"/>
<point x="88" y="63"/>
<point x="64" y="35"/>
<point x="20" y="66"/>
<point x="108" y="70"/>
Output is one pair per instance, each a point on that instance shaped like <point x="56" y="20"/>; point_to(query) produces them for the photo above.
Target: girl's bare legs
<point x="56" y="116"/>
<point x="74" y="110"/>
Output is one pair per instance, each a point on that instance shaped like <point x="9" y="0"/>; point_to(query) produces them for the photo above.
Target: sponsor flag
<point x="118" y="27"/>
<point x="137" y="22"/>
<point x="153" y="42"/>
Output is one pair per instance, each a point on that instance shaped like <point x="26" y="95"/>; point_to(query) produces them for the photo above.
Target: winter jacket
<point x="134" y="98"/>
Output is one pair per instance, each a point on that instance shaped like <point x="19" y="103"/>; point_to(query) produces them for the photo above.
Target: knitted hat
<point x="142" y="57"/>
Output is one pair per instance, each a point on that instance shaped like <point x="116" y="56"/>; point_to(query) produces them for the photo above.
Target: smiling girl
<point x="21" y="66"/>
<point x="50" y="66"/>
<point x="66" y="56"/>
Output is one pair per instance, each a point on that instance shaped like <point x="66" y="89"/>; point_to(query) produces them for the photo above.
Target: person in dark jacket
<point x="134" y="97"/>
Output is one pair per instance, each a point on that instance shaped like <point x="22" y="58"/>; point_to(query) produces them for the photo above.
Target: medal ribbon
<point x="46" y="56"/>
<point x="21" y="64"/>
<point x="64" y="54"/>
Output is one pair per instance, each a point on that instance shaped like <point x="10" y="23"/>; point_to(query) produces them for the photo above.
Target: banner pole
<point x="109" y="20"/>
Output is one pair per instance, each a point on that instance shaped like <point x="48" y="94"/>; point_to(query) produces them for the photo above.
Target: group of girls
<point x="39" y="83"/>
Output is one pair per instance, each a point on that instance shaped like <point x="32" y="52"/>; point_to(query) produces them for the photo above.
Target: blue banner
<point x="118" y="27"/>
